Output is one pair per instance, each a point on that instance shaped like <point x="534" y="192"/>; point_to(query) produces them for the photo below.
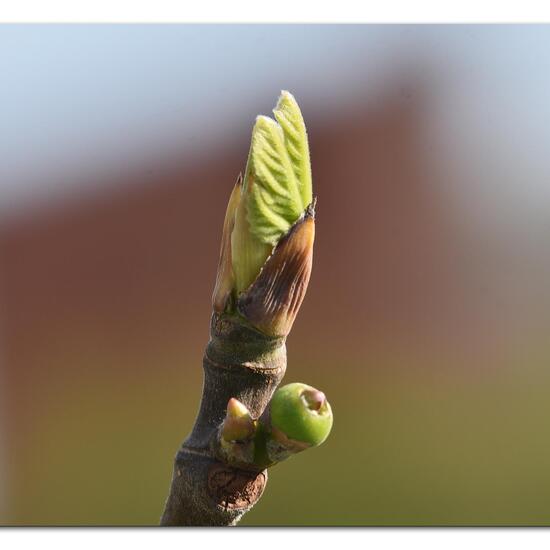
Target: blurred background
<point x="426" y="320"/>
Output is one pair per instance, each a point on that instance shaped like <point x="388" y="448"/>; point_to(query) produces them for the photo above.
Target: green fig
<point x="301" y="414"/>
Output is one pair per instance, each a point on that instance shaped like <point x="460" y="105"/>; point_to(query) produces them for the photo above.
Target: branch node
<point x="233" y="489"/>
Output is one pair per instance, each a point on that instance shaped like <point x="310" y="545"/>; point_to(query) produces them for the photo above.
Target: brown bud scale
<point x="273" y="300"/>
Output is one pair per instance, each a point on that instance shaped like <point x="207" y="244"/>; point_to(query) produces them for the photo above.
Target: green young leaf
<point x="290" y="118"/>
<point x="276" y="189"/>
<point x="280" y="180"/>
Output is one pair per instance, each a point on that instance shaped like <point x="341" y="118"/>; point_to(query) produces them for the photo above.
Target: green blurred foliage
<point x="422" y="446"/>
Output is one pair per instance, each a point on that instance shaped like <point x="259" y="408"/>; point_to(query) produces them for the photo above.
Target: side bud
<point x="238" y="425"/>
<point x="236" y="434"/>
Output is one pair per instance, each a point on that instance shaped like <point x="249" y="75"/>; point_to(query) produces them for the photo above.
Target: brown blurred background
<point x="426" y="320"/>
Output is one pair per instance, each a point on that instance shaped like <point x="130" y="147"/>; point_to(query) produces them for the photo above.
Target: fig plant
<point x="245" y="424"/>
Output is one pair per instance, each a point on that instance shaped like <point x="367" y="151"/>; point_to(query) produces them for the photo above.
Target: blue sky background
<point x="90" y="99"/>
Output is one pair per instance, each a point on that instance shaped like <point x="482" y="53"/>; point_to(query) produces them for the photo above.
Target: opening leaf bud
<point x="275" y="193"/>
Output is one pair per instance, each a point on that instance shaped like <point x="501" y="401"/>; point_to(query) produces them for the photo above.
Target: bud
<point x="273" y="197"/>
<point x="225" y="280"/>
<point x="272" y="302"/>
<point x="301" y="415"/>
<point x="238" y="425"/>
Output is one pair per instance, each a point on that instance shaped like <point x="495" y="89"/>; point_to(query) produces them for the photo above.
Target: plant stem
<point x="239" y="362"/>
<point x="263" y="274"/>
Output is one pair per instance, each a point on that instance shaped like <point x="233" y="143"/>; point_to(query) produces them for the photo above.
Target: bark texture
<point x="238" y="362"/>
